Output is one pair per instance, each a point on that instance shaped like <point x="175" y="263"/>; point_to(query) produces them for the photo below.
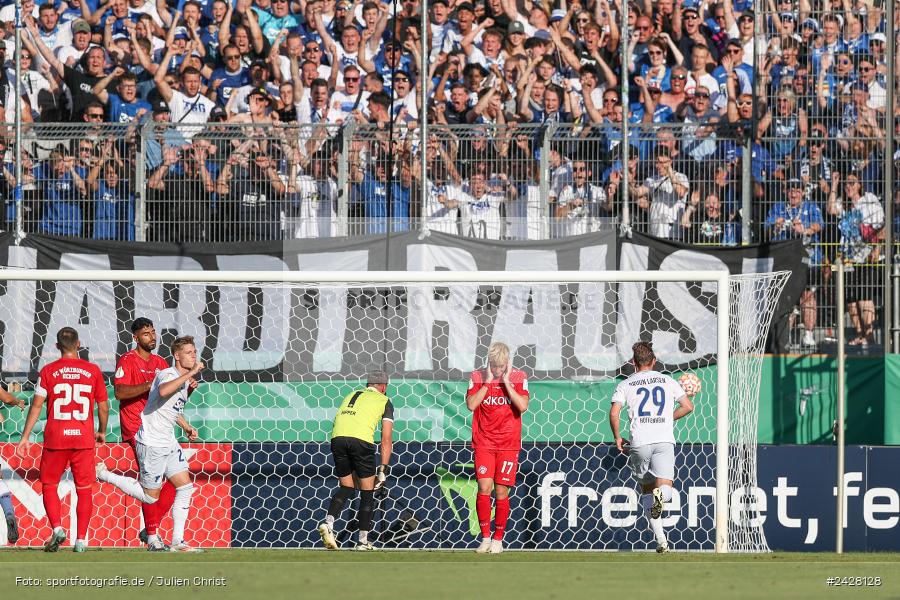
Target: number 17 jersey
<point x="71" y="387"/>
<point x="649" y="397"/>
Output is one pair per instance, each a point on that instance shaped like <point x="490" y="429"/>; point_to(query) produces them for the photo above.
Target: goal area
<point x="282" y="349"/>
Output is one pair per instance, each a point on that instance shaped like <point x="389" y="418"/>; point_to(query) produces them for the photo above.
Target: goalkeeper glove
<point x="381" y="474"/>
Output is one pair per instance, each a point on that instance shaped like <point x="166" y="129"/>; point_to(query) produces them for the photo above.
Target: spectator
<point x="582" y="204"/>
<point x="664" y="196"/>
<point x="252" y="193"/>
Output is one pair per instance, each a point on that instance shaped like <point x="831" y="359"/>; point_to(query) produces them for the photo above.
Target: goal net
<point x="283" y="349"/>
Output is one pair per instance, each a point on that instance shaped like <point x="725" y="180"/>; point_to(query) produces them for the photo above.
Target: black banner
<point x="433" y="332"/>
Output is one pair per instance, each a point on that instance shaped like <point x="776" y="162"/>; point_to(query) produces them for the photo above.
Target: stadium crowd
<point x="251" y="101"/>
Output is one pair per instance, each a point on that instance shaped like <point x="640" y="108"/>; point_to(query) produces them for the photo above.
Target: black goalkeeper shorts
<point x="353" y="455"/>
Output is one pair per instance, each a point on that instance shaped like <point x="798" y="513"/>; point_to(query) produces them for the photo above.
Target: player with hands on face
<point x="497" y="397"/>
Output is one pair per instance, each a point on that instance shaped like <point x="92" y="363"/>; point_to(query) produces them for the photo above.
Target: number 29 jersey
<point x="71" y="387"/>
<point x="650" y="399"/>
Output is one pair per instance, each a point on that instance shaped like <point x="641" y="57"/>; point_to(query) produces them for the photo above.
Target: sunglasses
<point x="401" y="79"/>
<point x="691" y="17"/>
<point x="866" y="69"/>
<point x="232" y="56"/>
<point x="679" y="77"/>
<point x="94" y="115"/>
<point x="701" y="96"/>
<point x="745" y="20"/>
<point x="351" y="79"/>
<point x="744" y="103"/>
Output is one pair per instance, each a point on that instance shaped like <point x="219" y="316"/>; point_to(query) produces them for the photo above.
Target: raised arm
<point x="42" y="48"/>
<point x="165" y="90"/>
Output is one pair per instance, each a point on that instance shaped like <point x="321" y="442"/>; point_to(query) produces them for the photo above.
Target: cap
<point x="542" y="34"/>
<point x="119" y="37"/>
<point x="376" y="377"/>
<point x="80" y="26"/>
<point x="788" y="15"/>
<point x="515" y="27"/>
<point x="433" y="2"/>
<point x="747" y="13"/>
<point x="217" y="113"/>
<point x="181" y="33"/>
<point x="259" y="92"/>
<point x="160" y="107"/>
<point x="688" y="9"/>
<point x="811" y="23"/>
<point x="465" y="6"/>
<point x="557" y="15"/>
<point x="794" y="182"/>
<point x="734" y="42"/>
<point x="878" y="37"/>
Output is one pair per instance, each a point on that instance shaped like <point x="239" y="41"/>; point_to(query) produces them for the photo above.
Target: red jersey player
<point x="134" y="374"/>
<point x="497" y="398"/>
<point x="71" y="386"/>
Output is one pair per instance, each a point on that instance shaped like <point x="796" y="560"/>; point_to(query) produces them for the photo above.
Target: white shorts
<point x="653" y="461"/>
<point x="157" y="465"/>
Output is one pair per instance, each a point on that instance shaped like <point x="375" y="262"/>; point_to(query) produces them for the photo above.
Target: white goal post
<point x="742" y="317"/>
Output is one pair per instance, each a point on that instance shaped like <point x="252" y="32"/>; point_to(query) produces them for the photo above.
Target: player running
<point x="158" y="452"/>
<point x="497" y="398"/>
<point x="12" y="526"/>
<point x="134" y="374"/>
<point x="70" y="386"/>
<point x="357" y="419"/>
<point x="651" y="398"/>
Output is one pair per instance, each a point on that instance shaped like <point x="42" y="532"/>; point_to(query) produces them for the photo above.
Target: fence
<point x="686" y="181"/>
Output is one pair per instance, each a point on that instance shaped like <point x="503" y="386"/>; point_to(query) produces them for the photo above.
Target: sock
<point x="329" y="520"/>
<point x="666" y="492"/>
<point x="180" y="509"/>
<point x="656" y="526"/>
<point x="6" y="500"/>
<point x="483" y="508"/>
<point x="152" y="537"/>
<point x="338" y="501"/>
<point x="52" y="505"/>
<point x="154" y="513"/>
<point x="366" y="510"/>
<point x="128" y="485"/>
<point x="500" y="517"/>
<point x="83" y="511"/>
<point x="647" y="503"/>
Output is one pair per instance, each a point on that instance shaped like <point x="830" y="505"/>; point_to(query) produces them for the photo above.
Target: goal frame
<point x="723" y="315"/>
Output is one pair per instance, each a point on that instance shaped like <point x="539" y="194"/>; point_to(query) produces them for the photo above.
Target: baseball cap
<point x="811" y="23"/>
<point x="787" y="15"/>
<point x="688" y="9"/>
<point x="878" y="37"/>
<point x="734" y="42"/>
<point x="217" y="113"/>
<point x="80" y="26"/>
<point x="181" y="33"/>
<point x="747" y="13"/>
<point x="160" y="107"/>
<point x="465" y="6"/>
<point x="515" y="27"/>
<point x="259" y="92"/>
<point x="542" y="34"/>
<point x="444" y="2"/>
<point x="557" y="15"/>
<point x="794" y="182"/>
<point x="119" y="37"/>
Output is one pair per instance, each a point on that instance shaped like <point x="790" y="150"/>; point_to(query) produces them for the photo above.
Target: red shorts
<point x="82" y="461"/>
<point x="499" y="465"/>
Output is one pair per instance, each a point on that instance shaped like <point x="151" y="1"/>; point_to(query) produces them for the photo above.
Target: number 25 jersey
<point x="650" y="399"/>
<point x="71" y="387"/>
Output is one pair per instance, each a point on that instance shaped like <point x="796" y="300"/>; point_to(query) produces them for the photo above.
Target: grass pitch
<point x="295" y="574"/>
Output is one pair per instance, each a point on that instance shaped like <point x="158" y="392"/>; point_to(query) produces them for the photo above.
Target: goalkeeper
<point x="353" y="451"/>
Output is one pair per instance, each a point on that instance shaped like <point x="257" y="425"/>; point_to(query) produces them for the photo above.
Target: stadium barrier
<point x="274" y="495"/>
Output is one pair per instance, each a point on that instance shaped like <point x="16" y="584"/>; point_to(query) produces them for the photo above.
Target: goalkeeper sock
<point x="666" y="492"/>
<point x="647" y="503"/>
<point x="483" y="508"/>
<point x="154" y="513"/>
<point x="83" y="511"/>
<point x="500" y="517"/>
<point x="329" y="520"/>
<point x="339" y="499"/>
<point x="52" y="506"/>
<point x="6" y="499"/>
<point x="656" y="526"/>
<point x="366" y="509"/>
<point x="180" y="509"/>
<point x="129" y="485"/>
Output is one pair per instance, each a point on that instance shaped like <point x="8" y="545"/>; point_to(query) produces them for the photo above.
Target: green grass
<point x="276" y="574"/>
